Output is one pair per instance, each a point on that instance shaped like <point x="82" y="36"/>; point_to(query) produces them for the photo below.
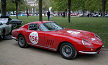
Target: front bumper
<point x="97" y="51"/>
<point x="87" y="52"/>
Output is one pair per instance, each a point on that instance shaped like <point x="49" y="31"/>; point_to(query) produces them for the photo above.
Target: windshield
<point x="50" y="26"/>
<point x="3" y="20"/>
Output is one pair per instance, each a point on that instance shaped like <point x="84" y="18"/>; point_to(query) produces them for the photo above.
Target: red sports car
<point x="48" y="35"/>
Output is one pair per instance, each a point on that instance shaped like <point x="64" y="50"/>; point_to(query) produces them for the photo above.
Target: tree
<point x="106" y="5"/>
<point x="69" y="9"/>
<point x="10" y="6"/>
<point x="23" y="5"/>
<point x="103" y="7"/>
<point x="59" y="5"/>
<point x="46" y="4"/>
<point x="40" y="10"/>
<point x="84" y="5"/>
<point x="3" y="7"/>
<point x="16" y="3"/>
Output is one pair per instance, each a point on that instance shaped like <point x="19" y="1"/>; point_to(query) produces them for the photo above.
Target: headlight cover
<point x="98" y="37"/>
<point x="87" y="44"/>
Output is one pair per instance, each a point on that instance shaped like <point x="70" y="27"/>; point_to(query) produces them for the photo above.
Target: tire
<point x="2" y="35"/>
<point x="14" y="26"/>
<point x="68" y="51"/>
<point x="22" y="42"/>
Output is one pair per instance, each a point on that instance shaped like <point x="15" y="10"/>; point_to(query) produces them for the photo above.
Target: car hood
<point x="3" y="20"/>
<point x="76" y="33"/>
<point x="80" y="34"/>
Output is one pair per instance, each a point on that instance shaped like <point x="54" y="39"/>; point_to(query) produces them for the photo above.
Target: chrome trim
<point x="83" y="42"/>
<point x="103" y="46"/>
<point x="88" y="52"/>
<point x="14" y="38"/>
<point x="46" y="47"/>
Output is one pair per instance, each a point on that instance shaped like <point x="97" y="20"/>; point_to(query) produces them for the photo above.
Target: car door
<point x="34" y="35"/>
<point x="50" y="40"/>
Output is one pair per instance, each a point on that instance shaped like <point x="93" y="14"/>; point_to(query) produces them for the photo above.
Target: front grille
<point x="98" y="49"/>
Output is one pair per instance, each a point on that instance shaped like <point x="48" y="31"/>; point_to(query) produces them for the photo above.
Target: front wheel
<point x="22" y="42"/>
<point x="14" y="26"/>
<point x="68" y="51"/>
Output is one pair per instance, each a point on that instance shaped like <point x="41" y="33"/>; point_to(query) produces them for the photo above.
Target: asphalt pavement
<point x="12" y="54"/>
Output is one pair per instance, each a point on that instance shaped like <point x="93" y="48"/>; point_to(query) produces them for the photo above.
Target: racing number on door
<point x="33" y="37"/>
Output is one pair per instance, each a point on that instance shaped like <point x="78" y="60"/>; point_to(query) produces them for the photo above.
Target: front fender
<point x="76" y="42"/>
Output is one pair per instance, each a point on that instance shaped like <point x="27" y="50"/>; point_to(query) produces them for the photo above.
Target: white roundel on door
<point x="33" y="37"/>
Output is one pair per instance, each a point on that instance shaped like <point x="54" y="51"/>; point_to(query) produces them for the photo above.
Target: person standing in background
<point x="27" y="13"/>
<point x="64" y="14"/>
<point x="48" y="14"/>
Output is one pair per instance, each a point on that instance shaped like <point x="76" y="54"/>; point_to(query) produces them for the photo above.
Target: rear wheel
<point x="22" y="42"/>
<point x="68" y="51"/>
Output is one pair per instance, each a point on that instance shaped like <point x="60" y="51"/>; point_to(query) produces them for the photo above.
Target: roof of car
<point x="39" y="22"/>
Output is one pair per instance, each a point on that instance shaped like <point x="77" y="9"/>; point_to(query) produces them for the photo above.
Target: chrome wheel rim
<point x="66" y="50"/>
<point x="21" y="41"/>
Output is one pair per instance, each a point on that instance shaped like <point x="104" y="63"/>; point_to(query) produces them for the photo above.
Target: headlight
<point x="98" y="37"/>
<point x="87" y="44"/>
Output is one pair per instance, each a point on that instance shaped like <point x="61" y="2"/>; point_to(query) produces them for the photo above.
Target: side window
<point x="33" y="27"/>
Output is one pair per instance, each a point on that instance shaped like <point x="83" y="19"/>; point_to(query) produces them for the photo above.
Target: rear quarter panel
<point x="19" y="31"/>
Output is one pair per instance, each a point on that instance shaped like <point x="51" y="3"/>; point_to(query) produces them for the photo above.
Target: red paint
<point x="51" y="39"/>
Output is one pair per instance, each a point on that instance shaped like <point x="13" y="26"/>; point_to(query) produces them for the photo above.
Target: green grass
<point x="92" y="24"/>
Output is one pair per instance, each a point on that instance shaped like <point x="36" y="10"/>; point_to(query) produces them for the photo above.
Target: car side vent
<point x="50" y="42"/>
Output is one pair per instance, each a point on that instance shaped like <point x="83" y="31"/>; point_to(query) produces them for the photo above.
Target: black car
<point x="14" y="22"/>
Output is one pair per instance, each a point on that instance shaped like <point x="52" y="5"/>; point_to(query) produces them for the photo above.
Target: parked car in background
<point x="5" y="28"/>
<point x="96" y="15"/>
<point x="12" y="14"/>
<point x="106" y="15"/>
<point x="22" y="14"/>
<point x="48" y="35"/>
<point x="80" y="15"/>
<point x="14" y="22"/>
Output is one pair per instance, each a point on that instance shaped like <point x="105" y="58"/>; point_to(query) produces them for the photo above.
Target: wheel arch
<point x="58" y="48"/>
<point x="22" y="35"/>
